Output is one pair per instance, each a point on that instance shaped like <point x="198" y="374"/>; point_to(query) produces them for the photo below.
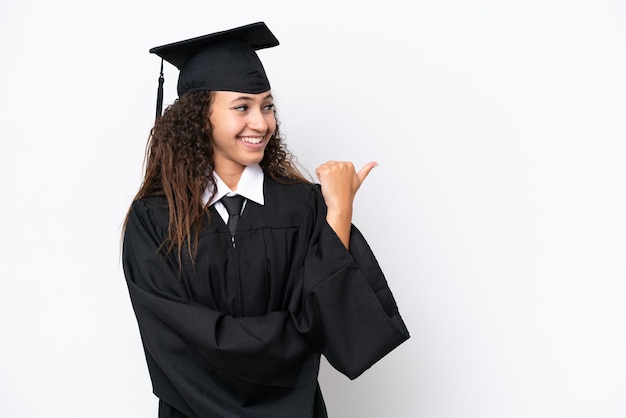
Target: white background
<point x="499" y="127"/>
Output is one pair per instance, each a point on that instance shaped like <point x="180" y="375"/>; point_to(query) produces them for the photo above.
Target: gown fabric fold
<point x="239" y="333"/>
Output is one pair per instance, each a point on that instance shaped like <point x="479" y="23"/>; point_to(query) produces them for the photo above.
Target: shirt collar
<point x="250" y="186"/>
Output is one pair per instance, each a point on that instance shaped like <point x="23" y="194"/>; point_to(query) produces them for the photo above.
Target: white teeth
<point x="252" y="139"/>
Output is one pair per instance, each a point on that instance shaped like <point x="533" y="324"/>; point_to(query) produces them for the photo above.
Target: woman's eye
<point x="242" y="108"/>
<point x="269" y="106"/>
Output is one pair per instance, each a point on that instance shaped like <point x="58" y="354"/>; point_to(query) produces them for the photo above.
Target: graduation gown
<point x="240" y="332"/>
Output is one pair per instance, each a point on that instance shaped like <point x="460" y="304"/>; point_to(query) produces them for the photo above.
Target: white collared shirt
<point x="250" y="186"/>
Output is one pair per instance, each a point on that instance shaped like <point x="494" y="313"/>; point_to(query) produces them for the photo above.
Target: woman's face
<point x="242" y="126"/>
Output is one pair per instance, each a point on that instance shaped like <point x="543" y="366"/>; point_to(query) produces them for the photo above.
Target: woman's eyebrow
<point x="250" y="98"/>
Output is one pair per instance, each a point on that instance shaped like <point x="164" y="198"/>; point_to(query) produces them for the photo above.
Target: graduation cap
<point x="220" y="61"/>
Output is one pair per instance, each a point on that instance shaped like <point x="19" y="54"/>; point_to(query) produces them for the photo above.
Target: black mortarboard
<point x="223" y="60"/>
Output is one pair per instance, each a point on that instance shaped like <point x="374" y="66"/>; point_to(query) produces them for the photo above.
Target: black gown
<point x="240" y="333"/>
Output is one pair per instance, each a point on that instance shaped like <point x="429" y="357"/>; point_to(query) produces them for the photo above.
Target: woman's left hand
<point x="340" y="182"/>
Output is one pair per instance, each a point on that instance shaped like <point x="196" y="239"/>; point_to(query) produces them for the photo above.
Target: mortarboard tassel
<point x="159" y="105"/>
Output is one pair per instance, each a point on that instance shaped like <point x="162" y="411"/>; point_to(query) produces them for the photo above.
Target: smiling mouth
<point x="252" y="139"/>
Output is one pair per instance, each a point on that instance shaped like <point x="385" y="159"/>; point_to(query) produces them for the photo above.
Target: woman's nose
<point x="257" y="121"/>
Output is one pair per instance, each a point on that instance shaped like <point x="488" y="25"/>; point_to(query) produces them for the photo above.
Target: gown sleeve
<point x="347" y="310"/>
<point x="188" y="344"/>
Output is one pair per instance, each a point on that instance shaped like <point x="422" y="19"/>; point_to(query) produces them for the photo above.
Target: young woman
<point x="236" y="306"/>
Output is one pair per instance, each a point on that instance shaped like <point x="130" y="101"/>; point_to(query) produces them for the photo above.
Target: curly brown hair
<point x="179" y="166"/>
